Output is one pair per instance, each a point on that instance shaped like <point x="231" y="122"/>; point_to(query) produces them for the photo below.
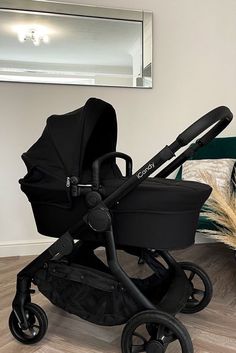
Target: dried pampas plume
<point x="220" y="209"/>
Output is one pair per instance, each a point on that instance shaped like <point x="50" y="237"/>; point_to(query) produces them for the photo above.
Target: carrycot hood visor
<point x="68" y="143"/>
<point x="62" y="147"/>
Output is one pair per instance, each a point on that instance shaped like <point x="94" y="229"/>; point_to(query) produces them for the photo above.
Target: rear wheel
<point x="202" y="289"/>
<point x="152" y="331"/>
<point x="37" y="325"/>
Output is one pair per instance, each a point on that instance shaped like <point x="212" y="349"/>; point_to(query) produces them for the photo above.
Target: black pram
<point x="77" y="191"/>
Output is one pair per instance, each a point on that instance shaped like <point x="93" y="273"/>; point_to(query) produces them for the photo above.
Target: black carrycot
<point x="159" y="213"/>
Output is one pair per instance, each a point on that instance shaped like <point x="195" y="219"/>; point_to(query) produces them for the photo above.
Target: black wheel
<point x="202" y="289"/>
<point x="37" y="321"/>
<point x="152" y="331"/>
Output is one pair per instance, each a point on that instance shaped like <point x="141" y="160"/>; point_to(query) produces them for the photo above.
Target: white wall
<point x="194" y="71"/>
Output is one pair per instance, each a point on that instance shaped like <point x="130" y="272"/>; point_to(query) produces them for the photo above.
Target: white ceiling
<point x="73" y="40"/>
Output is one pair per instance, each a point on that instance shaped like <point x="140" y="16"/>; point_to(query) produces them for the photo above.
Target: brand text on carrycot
<point x="143" y="172"/>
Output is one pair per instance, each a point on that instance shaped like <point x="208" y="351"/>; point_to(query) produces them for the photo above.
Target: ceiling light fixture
<point x="36" y="34"/>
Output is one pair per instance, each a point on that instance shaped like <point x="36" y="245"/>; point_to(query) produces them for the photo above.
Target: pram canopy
<point x="68" y="146"/>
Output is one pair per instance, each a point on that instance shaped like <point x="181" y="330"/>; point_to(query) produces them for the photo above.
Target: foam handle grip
<point x="222" y="115"/>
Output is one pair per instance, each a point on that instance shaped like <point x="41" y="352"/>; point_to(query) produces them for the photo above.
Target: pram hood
<point x="63" y="147"/>
<point x="68" y="146"/>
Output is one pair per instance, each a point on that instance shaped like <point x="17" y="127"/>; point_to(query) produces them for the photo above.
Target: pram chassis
<point x="98" y="217"/>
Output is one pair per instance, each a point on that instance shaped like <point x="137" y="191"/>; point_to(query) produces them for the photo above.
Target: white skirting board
<point x="33" y="247"/>
<point x="24" y="248"/>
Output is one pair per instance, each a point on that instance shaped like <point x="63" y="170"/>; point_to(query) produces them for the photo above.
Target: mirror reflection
<point x="72" y="49"/>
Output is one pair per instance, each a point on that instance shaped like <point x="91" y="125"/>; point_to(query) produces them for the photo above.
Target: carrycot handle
<point x="220" y="117"/>
<point x="98" y="162"/>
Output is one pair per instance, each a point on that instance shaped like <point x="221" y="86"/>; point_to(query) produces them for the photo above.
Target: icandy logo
<point x="144" y="171"/>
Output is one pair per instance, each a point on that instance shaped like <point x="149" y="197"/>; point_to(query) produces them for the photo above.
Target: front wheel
<point x="152" y="331"/>
<point x="202" y="289"/>
<point x="37" y="325"/>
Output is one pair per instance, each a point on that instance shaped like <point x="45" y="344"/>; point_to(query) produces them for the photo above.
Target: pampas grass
<point x="221" y="209"/>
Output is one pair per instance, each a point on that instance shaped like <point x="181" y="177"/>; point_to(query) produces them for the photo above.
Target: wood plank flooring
<point x="212" y="330"/>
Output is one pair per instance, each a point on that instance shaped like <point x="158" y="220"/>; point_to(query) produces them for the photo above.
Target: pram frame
<point x="219" y="117"/>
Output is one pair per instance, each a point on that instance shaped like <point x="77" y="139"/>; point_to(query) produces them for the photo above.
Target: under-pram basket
<point x="78" y="192"/>
<point x="82" y="281"/>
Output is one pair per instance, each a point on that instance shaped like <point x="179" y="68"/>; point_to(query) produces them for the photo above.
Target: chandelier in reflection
<point x="36" y="35"/>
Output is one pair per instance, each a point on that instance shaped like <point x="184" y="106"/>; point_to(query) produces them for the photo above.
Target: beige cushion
<point x="220" y="169"/>
<point x="234" y="177"/>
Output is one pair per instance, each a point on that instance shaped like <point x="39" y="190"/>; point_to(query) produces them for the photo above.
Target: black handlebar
<point x="219" y="117"/>
<point x="222" y="115"/>
<point x="97" y="164"/>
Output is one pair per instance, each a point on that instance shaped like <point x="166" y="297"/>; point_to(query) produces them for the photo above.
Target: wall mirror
<point x="51" y="42"/>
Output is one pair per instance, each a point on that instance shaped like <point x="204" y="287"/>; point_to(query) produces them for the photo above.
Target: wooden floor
<point x="212" y="330"/>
